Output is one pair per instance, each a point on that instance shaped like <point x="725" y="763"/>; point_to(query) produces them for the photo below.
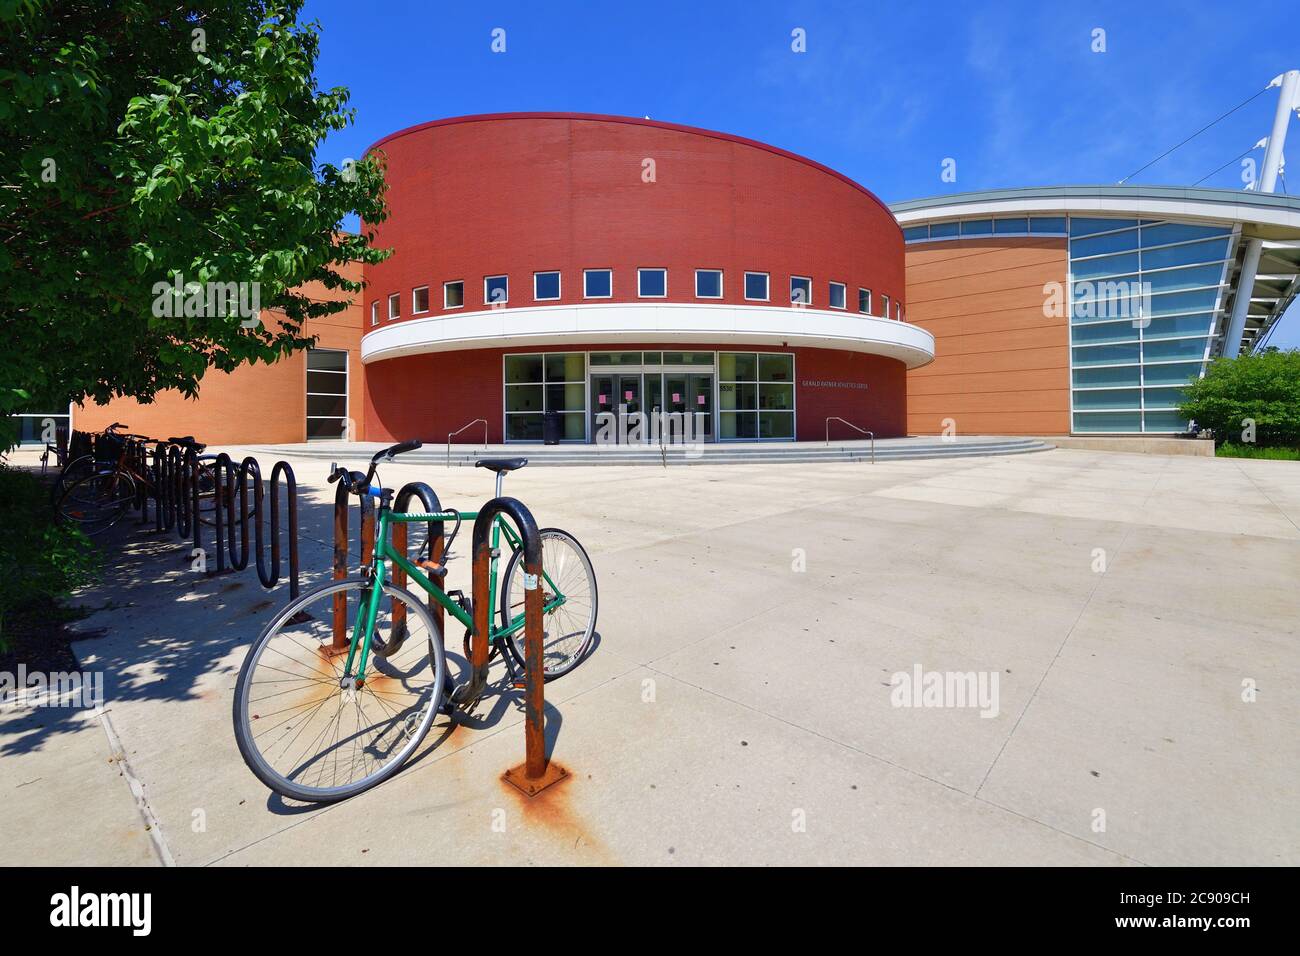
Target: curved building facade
<point x="1088" y="309"/>
<point x="595" y="267"/>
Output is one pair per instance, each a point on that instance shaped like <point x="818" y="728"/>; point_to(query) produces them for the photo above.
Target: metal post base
<point x="518" y="778"/>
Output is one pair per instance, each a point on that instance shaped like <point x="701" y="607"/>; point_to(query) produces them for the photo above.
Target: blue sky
<point x="884" y="93"/>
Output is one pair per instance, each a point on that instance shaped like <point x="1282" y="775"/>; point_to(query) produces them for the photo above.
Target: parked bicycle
<point x="317" y="725"/>
<point x="96" y="489"/>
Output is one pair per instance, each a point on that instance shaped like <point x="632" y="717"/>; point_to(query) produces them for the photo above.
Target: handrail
<point x="872" y="435"/>
<point x="461" y="429"/>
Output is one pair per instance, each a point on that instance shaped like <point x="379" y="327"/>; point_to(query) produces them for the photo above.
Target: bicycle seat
<point x="501" y="465"/>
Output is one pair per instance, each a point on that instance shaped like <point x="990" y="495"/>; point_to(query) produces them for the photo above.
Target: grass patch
<point x="1234" y="450"/>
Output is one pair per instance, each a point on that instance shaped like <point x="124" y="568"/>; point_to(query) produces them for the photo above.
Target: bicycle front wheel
<point x="567" y="630"/>
<point x="309" y="734"/>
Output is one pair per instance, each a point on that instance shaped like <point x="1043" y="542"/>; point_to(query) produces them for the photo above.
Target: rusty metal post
<point x="342" y="638"/>
<point x="535" y="673"/>
<point x="429" y="503"/>
<point x="536" y="773"/>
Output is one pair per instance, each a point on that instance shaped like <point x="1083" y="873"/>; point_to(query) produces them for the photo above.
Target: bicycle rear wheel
<point x="568" y="629"/>
<point x="307" y="735"/>
<point x="96" y="502"/>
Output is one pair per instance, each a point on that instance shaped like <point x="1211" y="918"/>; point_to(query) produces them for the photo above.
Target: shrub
<point x="1263" y="388"/>
<point x="40" y="559"/>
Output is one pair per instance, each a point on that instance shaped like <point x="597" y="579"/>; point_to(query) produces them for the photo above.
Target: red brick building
<point x="594" y="267"/>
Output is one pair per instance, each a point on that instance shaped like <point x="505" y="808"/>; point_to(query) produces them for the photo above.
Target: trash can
<point x="551" y="428"/>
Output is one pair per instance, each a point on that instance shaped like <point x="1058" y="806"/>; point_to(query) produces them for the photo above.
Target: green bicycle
<point x="319" y="724"/>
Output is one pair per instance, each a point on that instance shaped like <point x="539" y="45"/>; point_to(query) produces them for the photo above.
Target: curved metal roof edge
<point x="634" y="121"/>
<point x="1134" y="192"/>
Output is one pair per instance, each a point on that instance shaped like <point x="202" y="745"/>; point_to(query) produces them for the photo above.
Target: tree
<point x="1263" y="389"/>
<point x="147" y="145"/>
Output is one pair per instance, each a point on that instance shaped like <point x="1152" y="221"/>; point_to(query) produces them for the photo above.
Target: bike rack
<point x="428" y="504"/>
<point x="339" y="643"/>
<point x="230" y="483"/>
<point x="452" y="435"/>
<point x="836" y="418"/>
<point x="342" y="546"/>
<point x="536" y="773"/>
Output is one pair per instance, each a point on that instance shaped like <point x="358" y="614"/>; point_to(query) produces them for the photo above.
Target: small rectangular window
<point x="420" y="299"/>
<point x="374" y="313"/>
<point x="801" y="290"/>
<point x="652" y="283"/>
<point x="864" y="301"/>
<point x="496" y="290"/>
<point x="394" y="305"/>
<point x="884" y="306"/>
<point x="898" y="311"/>
<point x="546" y="286"/>
<point x="756" y="286"/>
<point x="598" y="283"/>
<point x="837" y="295"/>
<point x="708" y="283"/>
<point x="453" y="294"/>
<point x="916" y="233"/>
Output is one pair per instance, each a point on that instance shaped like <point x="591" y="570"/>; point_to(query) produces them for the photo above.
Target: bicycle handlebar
<point x="364" y="487"/>
<point x="400" y="448"/>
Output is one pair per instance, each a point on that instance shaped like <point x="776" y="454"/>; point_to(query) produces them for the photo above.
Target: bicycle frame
<point x="385" y="554"/>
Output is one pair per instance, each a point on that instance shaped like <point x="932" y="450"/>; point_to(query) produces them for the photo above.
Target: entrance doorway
<point x="682" y="394"/>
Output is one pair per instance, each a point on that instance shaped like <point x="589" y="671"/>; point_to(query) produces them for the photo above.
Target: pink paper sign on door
<point x="627" y="396"/>
<point x="699" y="399"/>
<point x="603" y="400"/>
<point x="677" y="396"/>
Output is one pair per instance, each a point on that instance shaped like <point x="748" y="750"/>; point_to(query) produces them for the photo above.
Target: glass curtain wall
<point x="1143" y="301"/>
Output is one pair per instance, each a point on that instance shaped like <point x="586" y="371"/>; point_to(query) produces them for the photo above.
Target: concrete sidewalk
<point x="738" y="706"/>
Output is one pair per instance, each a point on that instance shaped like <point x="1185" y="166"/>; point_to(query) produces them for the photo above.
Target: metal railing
<point x="869" y="434"/>
<point x="450" y="436"/>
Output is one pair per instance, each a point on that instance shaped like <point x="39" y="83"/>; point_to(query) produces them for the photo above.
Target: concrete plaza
<point x="737" y="708"/>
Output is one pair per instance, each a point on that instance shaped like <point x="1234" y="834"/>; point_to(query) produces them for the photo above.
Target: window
<point x="394" y="305"/>
<point x="548" y="382"/>
<point x="453" y="294"/>
<point x="708" y="283"/>
<point x="884" y="306"/>
<point x="836" y="298"/>
<point x="756" y="286"/>
<point x="546" y="286"/>
<point x="597" y="283"/>
<point x="755" y="395"/>
<point x="652" y="283"/>
<point x="38" y="428"/>
<point x="496" y="290"/>
<point x="898" y="311"/>
<point x="374" y="313"/>
<point x="864" y="301"/>
<point x="327" y="394"/>
<point x="420" y="299"/>
<point x="801" y="290"/>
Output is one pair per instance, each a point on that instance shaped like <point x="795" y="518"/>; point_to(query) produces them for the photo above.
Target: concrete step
<point x="726" y="455"/>
<point x="711" y="454"/>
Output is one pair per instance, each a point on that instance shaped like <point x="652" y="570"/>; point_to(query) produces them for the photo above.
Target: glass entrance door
<point x="613" y="395"/>
<point x="689" y="395"/>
